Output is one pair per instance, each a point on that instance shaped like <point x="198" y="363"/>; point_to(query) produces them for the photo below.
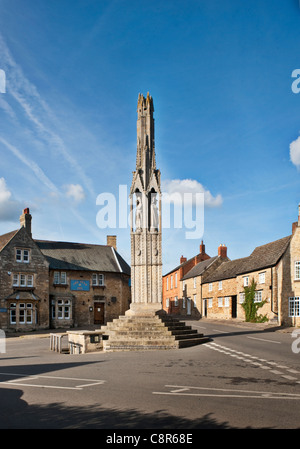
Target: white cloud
<point x="9" y="209"/>
<point x="181" y="186"/>
<point x="75" y="192"/>
<point x="295" y="152"/>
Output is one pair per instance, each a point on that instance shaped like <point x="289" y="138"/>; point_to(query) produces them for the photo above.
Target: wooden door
<point x="99" y="312"/>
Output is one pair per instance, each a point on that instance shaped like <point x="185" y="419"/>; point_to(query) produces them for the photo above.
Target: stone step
<point x="183" y="331"/>
<point x="192" y="342"/>
<point x="188" y="336"/>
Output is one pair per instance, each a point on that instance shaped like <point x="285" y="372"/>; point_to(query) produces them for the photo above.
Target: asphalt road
<point x="244" y="378"/>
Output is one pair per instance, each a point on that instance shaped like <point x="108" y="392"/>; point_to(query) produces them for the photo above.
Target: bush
<point x="250" y="307"/>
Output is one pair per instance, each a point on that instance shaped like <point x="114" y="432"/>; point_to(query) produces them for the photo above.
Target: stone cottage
<point x="48" y="284"/>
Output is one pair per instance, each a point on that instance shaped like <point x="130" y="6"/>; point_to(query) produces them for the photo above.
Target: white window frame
<point x="220" y="302"/>
<point x="13" y="313"/>
<point x="210" y="303"/>
<point x="227" y="301"/>
<point x="210" y="287"/>
<point x="22" y="255"/>
<point x="183" y="303"/>
<point x="242" y="297"/>
<point x="97" y="279"/>
<point x="22" y="280"/>
<point x="294" y="306"/>
<point x="195" y="300"/>
<point x="258" y="296"/>
<point x="195" y="282"/>
<point x="63" y="309"/>
<point x="60" y="278"/>
<point x="176" y="301"/>
<point x="262" y="278"/>
<point x="220" y="285"/>
<point x="246" y="281"/>
<point x="297" y="270"/>
<point x="168" y="302"/>
<point x="167" y="283"/>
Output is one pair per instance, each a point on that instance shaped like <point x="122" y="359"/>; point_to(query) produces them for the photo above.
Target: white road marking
<point x="261" y="363"/>
<point x="28" y="378"/>
<point x="224" y="393"/>
<point x="263" y="339"/>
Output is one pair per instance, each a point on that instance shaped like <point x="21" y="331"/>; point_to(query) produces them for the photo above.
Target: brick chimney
<point x="202" y="248"/>
<point x="111" y="240"/>
<point x="182" y="259"/>
<point x="25" y="221"/>
<point x="222" y="251"/>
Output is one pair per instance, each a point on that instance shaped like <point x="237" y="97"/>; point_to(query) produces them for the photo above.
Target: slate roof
<point x="198" y="269"/>
<point x="262" y="257"/>
<point x="82" y="256"/>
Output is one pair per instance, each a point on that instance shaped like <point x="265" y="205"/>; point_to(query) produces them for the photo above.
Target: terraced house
<point x="48" y="284"/>
<point x="275" y="268"/>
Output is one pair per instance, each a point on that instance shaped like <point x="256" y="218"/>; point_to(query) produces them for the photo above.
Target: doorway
<point x="188" y="306"/>
<point x="205" y="308"/>
<point x="234" y="306"/>
<point x="99" y="312"/>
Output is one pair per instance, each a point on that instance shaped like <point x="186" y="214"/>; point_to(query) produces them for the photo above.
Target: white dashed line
<point x="253" y="360"/>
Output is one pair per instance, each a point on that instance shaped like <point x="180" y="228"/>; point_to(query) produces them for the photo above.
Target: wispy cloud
<point x="30" y="164"/>
<point x="37" y="112"/>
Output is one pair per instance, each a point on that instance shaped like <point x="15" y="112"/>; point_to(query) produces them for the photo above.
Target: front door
<point x="99" y="312"/>
<point x="205" y="307"/>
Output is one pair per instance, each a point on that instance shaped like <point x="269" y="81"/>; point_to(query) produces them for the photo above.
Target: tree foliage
<point x="250" y="307"/>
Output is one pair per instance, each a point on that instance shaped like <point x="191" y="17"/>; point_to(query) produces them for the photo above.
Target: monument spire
<point x="146" y="222"/>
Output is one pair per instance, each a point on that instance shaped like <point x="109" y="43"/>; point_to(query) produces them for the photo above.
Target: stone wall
<point x="38" y="267"/>
<point x="113" y="298"/>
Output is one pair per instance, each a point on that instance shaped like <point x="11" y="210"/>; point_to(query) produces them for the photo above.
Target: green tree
<point x="250" y="307"/>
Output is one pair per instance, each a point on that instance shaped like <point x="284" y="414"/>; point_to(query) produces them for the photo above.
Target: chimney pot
<point x="222" y="251"/>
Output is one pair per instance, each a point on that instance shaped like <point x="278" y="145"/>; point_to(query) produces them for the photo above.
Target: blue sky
<point x="226" y="117"/>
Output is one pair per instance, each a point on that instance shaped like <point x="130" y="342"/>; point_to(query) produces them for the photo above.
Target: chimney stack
<point x="25" y="221"/>
<point x="182" y="259"/>
<point x="111" y="240"/>
<point x="222" y="251"/>
<point x="202" y="248"/>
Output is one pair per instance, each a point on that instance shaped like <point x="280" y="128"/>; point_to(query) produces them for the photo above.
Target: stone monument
<point x="145" y="192"/>
<point x="146" y="325"/>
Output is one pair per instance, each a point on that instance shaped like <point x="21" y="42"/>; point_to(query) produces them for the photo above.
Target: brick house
<point x="275" y="267"/>
<point x="46" y="284"/>
<point x="172" y="295"/>
<point x="192" y="281"/>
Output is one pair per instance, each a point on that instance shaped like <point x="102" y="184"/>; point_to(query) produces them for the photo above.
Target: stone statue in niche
<point x="154" y="212"/>
<point x="138" y="213"/>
